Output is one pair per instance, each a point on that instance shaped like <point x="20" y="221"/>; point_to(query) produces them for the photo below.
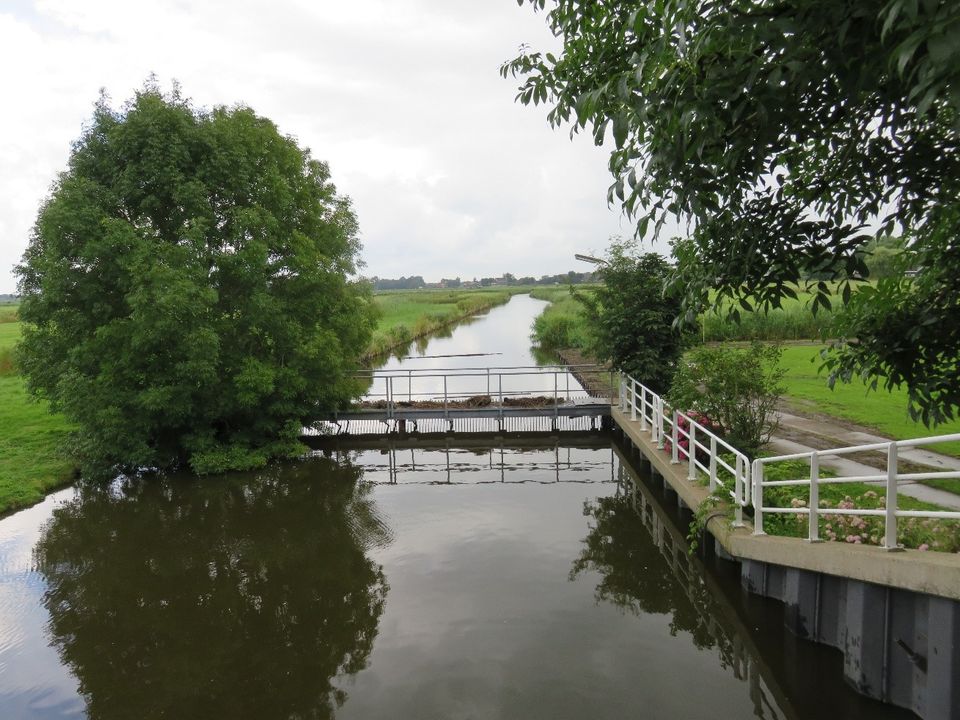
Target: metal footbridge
<point x="479" y="399"/>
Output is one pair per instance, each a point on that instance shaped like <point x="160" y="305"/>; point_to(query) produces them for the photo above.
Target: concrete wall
<point x="894" y="616"/>
<point x="898" y="646"/>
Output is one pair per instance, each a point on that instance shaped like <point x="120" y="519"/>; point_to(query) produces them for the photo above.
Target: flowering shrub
<point x="919" y="533"/>
<point x="738" y="388"/>
<point x="683" y="442"/>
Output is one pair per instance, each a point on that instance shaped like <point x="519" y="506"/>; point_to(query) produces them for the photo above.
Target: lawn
<point x="885" y="411"/>
<point x="31" y="461"/>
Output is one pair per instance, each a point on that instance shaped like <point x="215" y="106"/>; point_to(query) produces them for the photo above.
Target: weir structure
<point x="893" y="613"/>
<point x="478" y="399"/>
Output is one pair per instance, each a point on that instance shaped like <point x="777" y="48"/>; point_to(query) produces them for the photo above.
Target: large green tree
<point x="187" y="292"/>
<point x="778" y="129"/>
<point x="630" y="318"/>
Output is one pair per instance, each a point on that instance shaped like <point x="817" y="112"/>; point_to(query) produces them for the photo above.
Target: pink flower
<point x="923" y="548"/>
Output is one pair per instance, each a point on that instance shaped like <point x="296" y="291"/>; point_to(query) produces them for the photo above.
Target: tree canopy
<point x="630" y="317"/>
<point x="187" y="293"/>
<point x="778" y="131"/>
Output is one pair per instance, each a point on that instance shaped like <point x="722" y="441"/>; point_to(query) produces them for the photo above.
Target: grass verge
<point x="407" y="315"/>
<point x="31" y="438"/>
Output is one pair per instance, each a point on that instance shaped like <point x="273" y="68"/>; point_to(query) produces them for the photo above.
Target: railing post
<point x="674" y="436"/>
<point x="890" y="526"/>
<point x="813" y="519"/>
<point x="757" y="498"/>
<point x="713" y="463"/>
<point x="633" y="399"/>
<point x="692" y="452"/>
<point x="643" y="408"/>
<point x="556" y="399"/>
<point x="500" y="397"/>
<point x="446" y="412"/>
<point x="623" y="394"/>
<point x="389" y="397"/>
<point x="738" y="492"/>
<point x="659" y="423"/>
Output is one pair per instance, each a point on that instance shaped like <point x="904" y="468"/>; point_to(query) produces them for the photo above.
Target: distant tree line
<point x="403" y="283"/>
<point x="416" y="281"/>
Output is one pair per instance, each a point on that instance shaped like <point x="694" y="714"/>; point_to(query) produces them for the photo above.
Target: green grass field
<point x="410" y="314"/>
<point x="31" y="438"/>
<point x="885" y="411"/>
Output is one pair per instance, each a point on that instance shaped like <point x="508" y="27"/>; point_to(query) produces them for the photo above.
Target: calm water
<point x="540" y="579"/>
<point x="499" y="339"/>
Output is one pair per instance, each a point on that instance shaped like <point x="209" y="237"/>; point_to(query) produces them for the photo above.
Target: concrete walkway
<point x="802" y="434"/>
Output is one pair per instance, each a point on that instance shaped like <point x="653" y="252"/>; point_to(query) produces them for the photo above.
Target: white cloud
<point x="448" y="175"/>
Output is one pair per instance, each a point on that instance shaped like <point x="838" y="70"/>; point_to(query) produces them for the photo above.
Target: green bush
<point x="738" y="389"/>
<point x="630" y="317"/>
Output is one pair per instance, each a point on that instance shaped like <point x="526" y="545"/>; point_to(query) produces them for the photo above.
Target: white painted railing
<point x="691" y="442"/>
<point x="449" y="386"/>
<point x="729" y="469"/>
<point x="890" y="478"/>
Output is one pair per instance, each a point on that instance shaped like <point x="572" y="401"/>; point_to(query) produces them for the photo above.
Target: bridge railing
<point x="449" y="387"/>
<point x="689" y="440"/>
<point x="888" y="479"/>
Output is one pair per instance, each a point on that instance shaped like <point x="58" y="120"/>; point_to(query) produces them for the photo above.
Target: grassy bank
<point x="31" y="462"/>
<point x="561" y="324"/>
<point x="410" y="314"/>
<point x="886" y="411"/>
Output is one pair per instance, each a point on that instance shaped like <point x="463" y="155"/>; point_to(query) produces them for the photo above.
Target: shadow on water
<point x="242" y="597"/>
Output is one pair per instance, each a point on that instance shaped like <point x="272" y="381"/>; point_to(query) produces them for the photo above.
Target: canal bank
<point x="895" y="616"/>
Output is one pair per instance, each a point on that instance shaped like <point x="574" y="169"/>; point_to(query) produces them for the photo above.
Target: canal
<point x="510" y="577"/>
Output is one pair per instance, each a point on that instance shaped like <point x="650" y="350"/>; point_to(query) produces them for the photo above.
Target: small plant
<point x="710" y="506"/>
<point x="738" y="389"/>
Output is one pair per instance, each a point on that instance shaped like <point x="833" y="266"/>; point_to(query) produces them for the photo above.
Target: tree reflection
<point x="635" y="575"/>
<point x="234" y="597"/>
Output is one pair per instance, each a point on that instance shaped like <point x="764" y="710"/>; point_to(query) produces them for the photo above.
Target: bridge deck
<point x="580" y="407"/>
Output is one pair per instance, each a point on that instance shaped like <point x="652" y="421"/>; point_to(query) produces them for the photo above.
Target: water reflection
<point x="645" y="568"/>
<point x="244" y="596"/>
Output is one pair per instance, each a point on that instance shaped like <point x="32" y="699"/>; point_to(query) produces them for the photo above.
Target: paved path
<point x="808" y="434"/>
<point x="844" y="436"/>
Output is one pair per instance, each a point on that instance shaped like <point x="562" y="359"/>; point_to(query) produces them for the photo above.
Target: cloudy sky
<point x="449" y="176"/>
